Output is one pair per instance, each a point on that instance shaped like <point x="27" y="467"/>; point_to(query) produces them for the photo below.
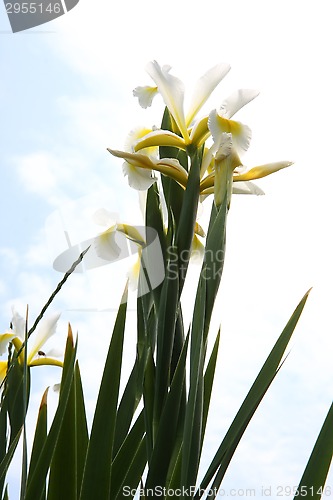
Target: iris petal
<point x="204" y="87"/>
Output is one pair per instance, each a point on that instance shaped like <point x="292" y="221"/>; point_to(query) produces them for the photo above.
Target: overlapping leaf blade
<point x="37" y="475"/>
<point x="265" y="377"/>
<point x="97" y="473"/>
<point x="314" y="477"/>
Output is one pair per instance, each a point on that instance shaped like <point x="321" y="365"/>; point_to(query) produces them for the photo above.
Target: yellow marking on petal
<point x="145" y="95"/>
<point x="200" y="132"/>
<point x="132" y="233"/>
<point x="207" y="182"/>
<point x="172" y="168"/>
<point x="167" y="166"/>
<point x="198" y="230"/>
<point x="136" y="135"/>
<point x="136" y="159"/>
<point x="5" y="338"/>
<point x="46" y="361"/>
<point x="197" y="250"/>
<point x="3" y="370"/>
<point x="160" y="138"/>
<point x="262" y="171"/>
<point x="17" y="342"/>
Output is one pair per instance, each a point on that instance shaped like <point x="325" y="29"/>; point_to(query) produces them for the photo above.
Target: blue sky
<point x="66" y="95"/>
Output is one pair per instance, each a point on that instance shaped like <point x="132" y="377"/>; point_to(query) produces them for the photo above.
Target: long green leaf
<point x="37" y="475"/>
<point x="194" y="409"/>
<point x="264" y="379"/>
<point x="97" y="473"/>
<point x="314" y="477"/>
<point x="5" y="495"/>
<point x="62" y="480"/>
<point x="81" y="428"/>
<point x="5" y="463"/>
<point x="208" y="383"/>
<point x="3" y="437"/>
<point x="167" y="429"/>
<point x="213" y="263"/>
<point x="40" y="436"/>
<point x="129" y="463"/>
<point x="165" y="339"/>
<point x="70" y="451"/>
<point x="173" y="193"/>
<point x="187" y="219"/>
<point x="17" y="384"/>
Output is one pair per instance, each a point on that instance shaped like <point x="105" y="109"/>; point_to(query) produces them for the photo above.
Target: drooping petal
<point x="236" y="101"/>
<point x="167" y="166"/>
<point x="138" y="178"/>
<point x="246" y="187"/>
<point x="207" y="182"/>
<point x="145" y="95"/>
<point x="262" y="171"/>
<point x="204" y="87"/>
<point x="18" y="324"/>
<point x="5" y="338"/>
<point x="135" y="159"/>
<point x="172" y="91"/>
<point x="241" y="134"/>
<point x="172" y="168"/>
<point x="45" y="360"/>
<point x="159" y="138"/>
<point x="46" y="329"/>
<point x="106" y="246"/>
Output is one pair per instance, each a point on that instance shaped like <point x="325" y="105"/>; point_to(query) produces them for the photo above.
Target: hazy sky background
<point x="66" y="95"/>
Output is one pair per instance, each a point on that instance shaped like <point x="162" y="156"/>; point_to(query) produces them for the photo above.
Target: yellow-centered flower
<point x="37" y="355"/>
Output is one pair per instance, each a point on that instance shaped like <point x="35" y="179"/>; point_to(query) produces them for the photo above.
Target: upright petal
<point x="204" y="87"/>
<point x="236" y="101"/>
<point x="46" y="330"/>
<point x="172" y="91"/>
<point x="18" y="324"/>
